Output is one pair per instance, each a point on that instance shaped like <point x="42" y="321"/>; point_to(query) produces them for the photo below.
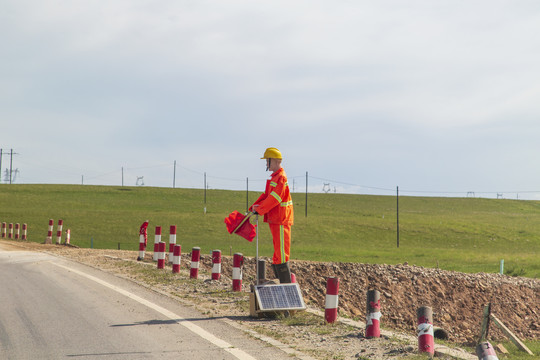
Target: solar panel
<point x="279" y="297"/>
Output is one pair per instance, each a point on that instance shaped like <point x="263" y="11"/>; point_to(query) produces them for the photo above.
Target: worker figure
<point x="277" y="207"/>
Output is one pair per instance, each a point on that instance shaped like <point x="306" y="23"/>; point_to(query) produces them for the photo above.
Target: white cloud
<point x="446" y="90"/>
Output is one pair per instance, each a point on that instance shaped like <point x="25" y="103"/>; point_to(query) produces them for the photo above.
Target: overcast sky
<point x="436" y="97"/>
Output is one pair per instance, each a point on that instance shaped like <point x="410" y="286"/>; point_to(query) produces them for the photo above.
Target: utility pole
<point x="306" y="190"/>
<point x="205" y="192"/>
<point x="0" y="165"/>
<point x="174" y="176"/>
<point x="397" y="213"/>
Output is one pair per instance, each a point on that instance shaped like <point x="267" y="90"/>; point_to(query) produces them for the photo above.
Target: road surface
<point x="52" y="308"/>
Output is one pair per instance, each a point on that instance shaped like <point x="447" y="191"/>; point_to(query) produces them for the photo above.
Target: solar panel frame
<point x="275" y="297"/>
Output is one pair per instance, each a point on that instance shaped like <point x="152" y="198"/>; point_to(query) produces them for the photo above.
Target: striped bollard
<point x="17" y="231"/>
<point x="216" y="264"/>
<point x="177" y="255"/>
<point x="59" y="231"/>
<point x="425" y="330"/>
<point x="161" y="255"/>
<point x="68" y="236"/>
<point x="195" y="259"/>
<point x="373" y="312"/>
<point x="157" y="240"/>
<point x="485" y="351"/>
<point x="10" y="233"/>
<point x="142" y="247"/>
<point x="49" y="233"/>
<point x="4" y="230"/>
<point x="238" y="262"/>
<point x="331" y="304"/>
<point x="172" y="241"/>
<point x="24" y="231"/>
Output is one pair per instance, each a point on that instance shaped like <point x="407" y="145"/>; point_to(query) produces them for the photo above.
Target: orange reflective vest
<point x="276" y="203"/>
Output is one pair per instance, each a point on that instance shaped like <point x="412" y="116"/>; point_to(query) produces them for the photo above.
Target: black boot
<point x="283" y="272"/>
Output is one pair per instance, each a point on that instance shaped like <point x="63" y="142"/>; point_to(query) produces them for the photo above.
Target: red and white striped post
<point x="4" y="225"/>
<point x="24" y="231"/>
<point x="17" y="231"/>
<point x="373" y="314"/>
<point x="59" y="231"/>
<point x="143" y="239"/>
<point x="157" y="240"/>
<point x="142" y="247"/>
<point x="68" y="236"/>
<point x="332" y="297"/>
<point x="485" y="351"/>
<point x="238" y="262"/>
<point x="426" y="343"/>
<point x="161" y="255"/>
<point x="177" y="255"/>
<point x="293" y="278"/>
<point x="49" y="233"/>
<point x="216" y="264"/>
<point x="10" y="233"/>
<point x="195" y="259"/>
<point x="172" y="242"/>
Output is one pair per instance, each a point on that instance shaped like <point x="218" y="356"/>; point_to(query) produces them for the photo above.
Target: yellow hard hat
<point x="272" y="153"/>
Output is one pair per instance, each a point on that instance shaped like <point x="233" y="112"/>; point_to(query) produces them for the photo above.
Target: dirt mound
<point x="457" y="299"/>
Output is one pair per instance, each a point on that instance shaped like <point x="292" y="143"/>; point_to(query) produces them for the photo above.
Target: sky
<point x="438" y="98"/>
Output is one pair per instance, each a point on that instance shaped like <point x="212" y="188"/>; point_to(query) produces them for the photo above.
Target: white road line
<point x="239" y="354"/>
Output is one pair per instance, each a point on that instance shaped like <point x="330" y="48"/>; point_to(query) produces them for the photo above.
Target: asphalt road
<point x="51" y="308"/>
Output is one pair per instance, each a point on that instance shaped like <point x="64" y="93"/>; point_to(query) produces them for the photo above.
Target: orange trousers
<point x="281" y="235"/>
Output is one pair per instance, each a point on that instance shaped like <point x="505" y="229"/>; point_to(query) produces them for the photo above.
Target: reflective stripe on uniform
<point x="282" y="243"/>
<point x="274" y="194"/>
<point x="288" y="203"/>
<point x="273" y="183"/>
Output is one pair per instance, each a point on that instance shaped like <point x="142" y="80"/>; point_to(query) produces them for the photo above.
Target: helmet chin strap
<point x="268" y="164"/>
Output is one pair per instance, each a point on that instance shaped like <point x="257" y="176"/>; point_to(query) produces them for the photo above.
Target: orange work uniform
<point x="277" y="207"/>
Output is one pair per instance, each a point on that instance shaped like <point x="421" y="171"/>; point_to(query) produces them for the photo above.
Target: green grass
<point x="463" y="234"/>
<point x="515" y="353"/>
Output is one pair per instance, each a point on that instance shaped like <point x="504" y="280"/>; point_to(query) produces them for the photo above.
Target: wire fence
<point x="177" y="175"/>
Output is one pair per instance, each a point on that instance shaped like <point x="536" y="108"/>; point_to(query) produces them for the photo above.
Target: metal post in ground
<point x="261" y="263"/>
<point x="238" y="262"/>
<point x="177" y="253"/>
<point x="172" y="241"/>
<point x="161" y="255"/>
<point x="195" y="260"/>
<point x="59" y="231"/>
<point x="373" y="314"/>
<point x="157" y="240"/>
<point x="485" y="351"/>
<point x="425" y="331"/>
<point x="331" y="303"/>
<point x="216" y="264"/>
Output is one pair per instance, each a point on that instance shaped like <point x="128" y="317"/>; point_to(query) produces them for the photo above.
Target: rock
<point x="500" y="348"/>
<point x="409" y="348"/>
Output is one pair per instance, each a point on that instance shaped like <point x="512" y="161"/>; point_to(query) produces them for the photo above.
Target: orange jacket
<point x="276" y="203"/>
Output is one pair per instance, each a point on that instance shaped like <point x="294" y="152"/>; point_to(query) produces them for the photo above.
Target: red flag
<point x="247" y="230"/>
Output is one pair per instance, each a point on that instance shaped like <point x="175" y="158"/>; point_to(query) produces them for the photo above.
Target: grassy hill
<point x="464" y="234"/>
